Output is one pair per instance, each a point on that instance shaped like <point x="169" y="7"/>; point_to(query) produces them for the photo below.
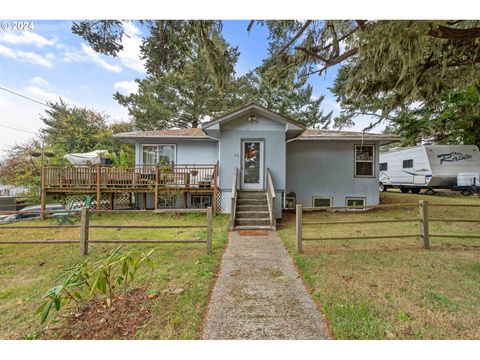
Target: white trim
<point x="356" y="198"/>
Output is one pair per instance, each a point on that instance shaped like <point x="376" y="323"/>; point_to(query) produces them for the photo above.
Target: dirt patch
<point x="92" y="321"/>
<point x="252" y="232"/>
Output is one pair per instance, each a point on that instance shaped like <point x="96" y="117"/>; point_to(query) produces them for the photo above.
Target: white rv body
<point x="431" y="166"/>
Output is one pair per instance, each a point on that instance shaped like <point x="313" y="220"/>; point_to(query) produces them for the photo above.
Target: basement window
<point x="201" y="201"/>
<point x="364" y="160"/>
<point x="321" y="201"/>
<point x="167" y="201"/>
<point x="355" y="201"/>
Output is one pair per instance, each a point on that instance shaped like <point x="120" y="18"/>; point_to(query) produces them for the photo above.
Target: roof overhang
<point x="255" y="109"/>
<point x="372" y="138"/>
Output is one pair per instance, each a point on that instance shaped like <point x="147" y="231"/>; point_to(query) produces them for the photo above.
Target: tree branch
<point x="448" y="33"/>
<point x="295" y="37"/>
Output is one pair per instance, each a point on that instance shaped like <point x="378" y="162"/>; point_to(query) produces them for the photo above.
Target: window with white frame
<point x="321" y="201"/>
<point x="364" y="160"/>
<point x="355" y="201"/>
<point x="201" y="201"/>
<point x="163" y="154"/>
<point x="167" y="201"/>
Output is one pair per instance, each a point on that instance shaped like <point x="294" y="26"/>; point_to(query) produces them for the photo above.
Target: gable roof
<point x="327" y="134"/>
<point x="257" y="109"/>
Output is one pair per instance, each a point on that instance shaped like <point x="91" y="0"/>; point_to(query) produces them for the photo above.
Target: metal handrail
<point x="233" y="198"/>
<point x="271" y="200"/>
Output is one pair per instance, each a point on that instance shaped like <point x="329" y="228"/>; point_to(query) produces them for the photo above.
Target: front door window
<point x="251" y="162"/>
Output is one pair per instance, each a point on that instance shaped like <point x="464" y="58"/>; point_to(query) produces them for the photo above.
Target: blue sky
<point x="51" y="62"/>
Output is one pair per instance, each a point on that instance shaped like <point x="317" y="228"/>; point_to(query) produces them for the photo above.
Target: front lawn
<point x="394" y="289"/>
<point x="182" y="275"/>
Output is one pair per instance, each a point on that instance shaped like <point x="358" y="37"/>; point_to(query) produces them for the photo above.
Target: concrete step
<point x="253" y="222"/>
<point x="252" y="201"/>
<point x="251" y="214"/>
<point x="253" y="227"/>
<point x="247" y="207"/>
<point x="251" y="195"/>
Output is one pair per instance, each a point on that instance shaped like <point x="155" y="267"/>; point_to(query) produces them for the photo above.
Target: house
<point x="257" y="162"/>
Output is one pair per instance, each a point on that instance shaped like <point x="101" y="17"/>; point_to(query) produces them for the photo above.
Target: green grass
<point x="394" y="289"/>
<point x="27" y="271"/>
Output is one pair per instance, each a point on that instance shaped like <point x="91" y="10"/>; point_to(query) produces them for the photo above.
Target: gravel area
<point x="260" y="295"/>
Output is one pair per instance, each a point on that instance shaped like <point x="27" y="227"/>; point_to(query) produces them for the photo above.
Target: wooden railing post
<point x="84" y="221"/>
<point x="99" y="194"/>
<point x="43" y="194"/>
<point x="157" y="175"/>
<point x="299" y="219"/>
<point x="209" y="229"/>
<point x="423" y="209"/>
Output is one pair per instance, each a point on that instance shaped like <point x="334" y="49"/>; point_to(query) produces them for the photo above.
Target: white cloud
<point x="97" y="59"/>
<point x="37" y="80"/>
<point x="25" y="56"/>
<point x="43" y="95"/>
<point x="26" y="38"/>
<point x="126" y="87"/>
<point x="131" y="41"/>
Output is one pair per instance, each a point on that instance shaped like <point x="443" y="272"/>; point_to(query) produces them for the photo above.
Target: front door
<point x="252" y="164"/>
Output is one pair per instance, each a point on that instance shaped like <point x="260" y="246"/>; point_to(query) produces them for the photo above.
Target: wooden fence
<point x="85" y="226"/>
<point x="423" y="220"/>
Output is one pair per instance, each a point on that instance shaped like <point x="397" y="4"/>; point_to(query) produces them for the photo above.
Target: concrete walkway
<point x="260" y="295"/>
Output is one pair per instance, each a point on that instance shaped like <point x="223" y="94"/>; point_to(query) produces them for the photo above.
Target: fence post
<point x="424" y="223"/>
<point x="84" y="231"/>
<point x="209" y="229"/>
<point x="299" y="217"/>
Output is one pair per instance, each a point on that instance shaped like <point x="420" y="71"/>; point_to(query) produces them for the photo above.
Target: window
<point x="364" y="160"/>
<point x="290" y="202"/>
<point x="383" y="166"/>
<point x="166" y="201"/>
<point x="163" y="154"/>
<point x="201" y="201"/>
<point x="322" y="201"/>
<point x="408" y="163"/>
<point x="355" y="201"/>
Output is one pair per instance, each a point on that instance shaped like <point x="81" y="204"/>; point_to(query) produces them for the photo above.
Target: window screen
<point x="408" y="163"/>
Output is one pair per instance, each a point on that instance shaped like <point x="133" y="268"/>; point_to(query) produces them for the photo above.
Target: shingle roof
<point x="327" y="134"/>
<point x="172" y="133"/>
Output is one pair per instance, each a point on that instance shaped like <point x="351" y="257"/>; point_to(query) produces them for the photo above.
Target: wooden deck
<point x="98" y="179"/>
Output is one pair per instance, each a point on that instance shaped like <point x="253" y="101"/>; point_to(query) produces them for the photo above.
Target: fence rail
<point x="423" y="219"/>
<point x="85" y="227"/>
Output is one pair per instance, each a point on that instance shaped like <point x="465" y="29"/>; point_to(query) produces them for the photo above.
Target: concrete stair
<point x="252" y="210"/>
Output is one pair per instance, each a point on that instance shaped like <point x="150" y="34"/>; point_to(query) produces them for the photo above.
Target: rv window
<point x="201" y="201"/>
<point x="322" y="201"/>
<point x="383" y="166"/>
<point x="408" y="163"/>
<point x="355" y="202"/>
<point x="364" y="160"/>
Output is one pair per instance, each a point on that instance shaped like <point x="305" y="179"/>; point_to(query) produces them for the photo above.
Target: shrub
<point x="102" y="279"/>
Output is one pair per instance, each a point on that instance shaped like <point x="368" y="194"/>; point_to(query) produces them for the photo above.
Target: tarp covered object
<point x="92" y="157"/>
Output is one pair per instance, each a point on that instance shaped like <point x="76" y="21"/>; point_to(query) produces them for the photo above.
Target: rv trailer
<point x="455" y="167"/>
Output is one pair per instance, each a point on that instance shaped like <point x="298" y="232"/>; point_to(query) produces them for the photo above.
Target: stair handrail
<point x="271" y="200"/>
<point x="233" y="198"/>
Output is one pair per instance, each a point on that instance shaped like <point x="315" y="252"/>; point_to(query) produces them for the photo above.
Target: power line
<point x="24" y="96"/>
<point x="18" y="129"/>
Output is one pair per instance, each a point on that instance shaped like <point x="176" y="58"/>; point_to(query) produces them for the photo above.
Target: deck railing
<point x="132" y="176"/>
